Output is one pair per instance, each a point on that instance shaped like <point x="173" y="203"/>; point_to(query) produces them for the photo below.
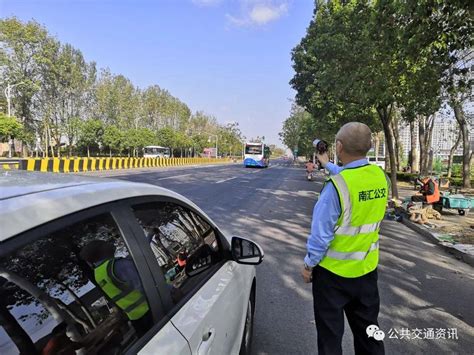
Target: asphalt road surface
<point x="426" y="294"/>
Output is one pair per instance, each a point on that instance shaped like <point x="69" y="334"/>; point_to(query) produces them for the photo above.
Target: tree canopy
<point x="364" y="60"/>
<point x="73" y="107"/>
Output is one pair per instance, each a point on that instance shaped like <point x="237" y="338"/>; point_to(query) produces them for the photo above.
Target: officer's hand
<point x="323" y="158"/>
<point x="307" y="275"/>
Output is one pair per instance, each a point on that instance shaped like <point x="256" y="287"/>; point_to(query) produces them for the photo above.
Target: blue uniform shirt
<point x="325" y="215"/>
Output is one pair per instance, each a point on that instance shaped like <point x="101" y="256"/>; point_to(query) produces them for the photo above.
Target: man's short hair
<point x="356" y="138"/>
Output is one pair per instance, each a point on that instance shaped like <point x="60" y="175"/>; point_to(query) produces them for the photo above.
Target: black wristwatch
<point x="307" y="267"/>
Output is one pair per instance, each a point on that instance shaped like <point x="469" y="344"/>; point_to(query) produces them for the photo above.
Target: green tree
<point x="22" y="48"/>
<point x="437" y="42"/>
<point x="300" y="129"/>
<point x="138" y="138"/>
<point x="90" y="134"/>
<point x="362" y="60"/>
<point x="166" y="137"/>
<point x="114" y="139"/>
<point x="10" y="128"/>
<point x="117" y="101"/>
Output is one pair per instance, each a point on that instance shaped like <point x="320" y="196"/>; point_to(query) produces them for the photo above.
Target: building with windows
<point x="444" y="135"/>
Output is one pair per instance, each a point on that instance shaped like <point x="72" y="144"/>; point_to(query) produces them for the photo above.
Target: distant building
<point x="405" y="138"/>
<point x="445" y="131"/>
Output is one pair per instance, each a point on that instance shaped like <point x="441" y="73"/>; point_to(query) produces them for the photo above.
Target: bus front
<point x="254" y="155"/>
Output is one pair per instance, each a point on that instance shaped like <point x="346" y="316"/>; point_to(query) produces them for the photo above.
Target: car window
<point x="182" y="242"/>
<point x="76" y="288"/>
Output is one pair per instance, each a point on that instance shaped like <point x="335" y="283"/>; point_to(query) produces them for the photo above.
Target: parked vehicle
<point x="105" y="266"/>
<point x="380" y="161"/>
<point x="156" y="151"/>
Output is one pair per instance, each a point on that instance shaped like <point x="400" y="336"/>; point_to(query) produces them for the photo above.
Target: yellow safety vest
<point x="363" y="192"/>
<point x="131" y="301"/>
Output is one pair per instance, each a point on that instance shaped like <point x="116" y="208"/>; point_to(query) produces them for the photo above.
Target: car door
<point x="53" y="301"/>
<point x="206" y="304"/>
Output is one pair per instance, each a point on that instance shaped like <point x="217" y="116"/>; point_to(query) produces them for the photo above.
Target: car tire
<point x="246" y="345"/>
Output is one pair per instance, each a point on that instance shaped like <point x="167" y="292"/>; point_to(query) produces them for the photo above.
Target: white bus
<point x="256" y="155"/>
<point x="155" y="151"/>
<point x="380" y="161"/>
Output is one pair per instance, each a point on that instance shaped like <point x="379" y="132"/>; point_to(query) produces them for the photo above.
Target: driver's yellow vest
<point x="131" y="301"/>
<point x="363" y="192"/>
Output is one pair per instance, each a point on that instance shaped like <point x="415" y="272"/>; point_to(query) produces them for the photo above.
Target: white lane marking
<point x="174" y="177"/>
<point x="220" y="181"/>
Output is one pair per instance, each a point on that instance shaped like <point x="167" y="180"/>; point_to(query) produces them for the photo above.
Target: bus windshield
<point x="253" y="149"/>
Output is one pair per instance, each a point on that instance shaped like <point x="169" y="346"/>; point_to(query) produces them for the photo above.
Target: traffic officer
<point x="343" y="247"/>
<point x="119" y="279"/>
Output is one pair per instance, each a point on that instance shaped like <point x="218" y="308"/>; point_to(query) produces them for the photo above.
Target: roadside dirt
<point x="460" y="228"/>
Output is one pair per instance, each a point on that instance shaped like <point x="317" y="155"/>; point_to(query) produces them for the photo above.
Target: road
<point x="421" y="286"/>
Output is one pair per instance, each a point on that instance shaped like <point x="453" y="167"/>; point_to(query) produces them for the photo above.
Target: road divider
<point x="9" y="164"/>
<point x="69" y="165"/>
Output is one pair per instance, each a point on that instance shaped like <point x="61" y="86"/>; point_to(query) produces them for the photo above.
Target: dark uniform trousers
<point x="358" y="298"/>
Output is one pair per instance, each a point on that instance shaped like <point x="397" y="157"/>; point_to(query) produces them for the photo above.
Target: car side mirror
<point x="245" y="251"/>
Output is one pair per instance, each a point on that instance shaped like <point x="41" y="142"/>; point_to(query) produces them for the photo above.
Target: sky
<point x="228" y="58"/>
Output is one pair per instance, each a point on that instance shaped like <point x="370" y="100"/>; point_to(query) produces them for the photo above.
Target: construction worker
<point x="343" y="247"/>
<point x="429" y="191"/>
<point x="119" y="279"/>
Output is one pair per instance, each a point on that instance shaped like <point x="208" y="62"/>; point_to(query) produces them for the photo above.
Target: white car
<point x="98" y="266"/>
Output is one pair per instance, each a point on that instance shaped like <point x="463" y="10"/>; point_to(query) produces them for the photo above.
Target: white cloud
<point x="258" y="12"/>
<point x="206" y="2"/>
<point x="263" y="14"/>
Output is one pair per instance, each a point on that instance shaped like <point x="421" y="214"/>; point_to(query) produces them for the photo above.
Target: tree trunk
<point x="422" y="139"/>
<point x="49" y="141"/>
<point x="387" y="158"/>
<point x="377" y="146"/>
<point x="451" y="154"/>
<point x="15" y="331"/>
<point x="425" y="133"/>
<point x="385" y="117"/>
<point x="396" y="142"/>
<point x="88" y="152"/>
<point x="466" y="149"/>
<point x="414" y="167"/>
<point x="429" y="140"/>
<point x="430" y="161"/>
<point x="110" y="152"/>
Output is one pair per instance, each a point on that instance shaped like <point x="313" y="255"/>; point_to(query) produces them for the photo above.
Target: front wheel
<point x="246" y="345"/>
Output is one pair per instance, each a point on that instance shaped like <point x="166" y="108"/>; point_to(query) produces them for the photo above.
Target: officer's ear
<point x="339" y="147"/>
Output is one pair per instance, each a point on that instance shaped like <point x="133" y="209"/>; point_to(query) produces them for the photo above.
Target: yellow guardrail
<point x="66" y="165"/>
<point x="9" y="165"/>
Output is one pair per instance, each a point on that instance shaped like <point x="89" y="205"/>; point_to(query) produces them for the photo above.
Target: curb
<point x="425" y="232"/>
